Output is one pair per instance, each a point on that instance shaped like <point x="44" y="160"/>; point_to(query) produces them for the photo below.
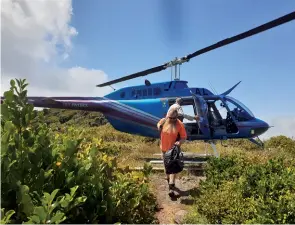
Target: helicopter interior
<point x="219" y="118"/>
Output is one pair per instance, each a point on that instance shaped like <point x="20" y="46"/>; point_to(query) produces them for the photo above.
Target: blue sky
<point x="124" y="37"/>
<point x="106" y="39"/>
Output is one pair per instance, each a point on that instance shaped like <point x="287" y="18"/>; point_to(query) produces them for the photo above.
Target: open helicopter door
<point x="202" y="112"/>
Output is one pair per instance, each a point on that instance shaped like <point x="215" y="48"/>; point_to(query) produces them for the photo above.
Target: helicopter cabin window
<point x="180" y="85"/>
<point x="138" y="92"/>
<point x="241" y="114"/>
<point x="198" y="92"/>
<point x="167" y="86"/>
<point x="133" y="93"/>
<point x="221" y="109"/>
<point x="144" y="92"/>
<point x="122" y="94"/>
<point x="157" y="91"/>
<point x="205" y="92"/>
<point x="150" y="91"/>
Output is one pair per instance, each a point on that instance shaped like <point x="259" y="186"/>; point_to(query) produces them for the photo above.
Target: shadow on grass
<point x="193" y="192"/>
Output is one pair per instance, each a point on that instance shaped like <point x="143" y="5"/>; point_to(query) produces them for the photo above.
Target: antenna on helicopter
<point x="147" y="83"/>
<point x="178" y="61"/>
<point x="213" y="89"/>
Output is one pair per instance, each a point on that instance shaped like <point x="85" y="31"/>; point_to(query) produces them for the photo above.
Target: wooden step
<point x="185" y="162"/>
<point x="189" y="154"/>
<point x="200" y="159"/>
<point x="162" y="168"/>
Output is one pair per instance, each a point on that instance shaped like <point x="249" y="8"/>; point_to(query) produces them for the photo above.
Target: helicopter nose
<point x="260" y="127"/>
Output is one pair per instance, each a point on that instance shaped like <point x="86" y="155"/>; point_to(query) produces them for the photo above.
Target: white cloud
<point x="283" y="125"/>
<point x="35" y="38"/>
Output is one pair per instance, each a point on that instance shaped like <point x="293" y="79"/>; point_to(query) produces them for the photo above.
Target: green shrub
<point x="58" y="118"/>
<point x="225" y="168"/>
<point x="236" y="191"/>
<point x="67" y="178"/>
<point x="132" y="199"/>
<point x="242" y="143"/>
<point x="272" y="186"/>
<point x="225" y="204"/>
<point x="281" y="143"/>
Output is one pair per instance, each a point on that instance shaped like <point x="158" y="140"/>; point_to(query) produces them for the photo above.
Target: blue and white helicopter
<point x="137" y="109"/>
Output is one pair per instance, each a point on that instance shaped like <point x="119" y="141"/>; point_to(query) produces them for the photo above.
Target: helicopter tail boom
<point x="112" y="109"/>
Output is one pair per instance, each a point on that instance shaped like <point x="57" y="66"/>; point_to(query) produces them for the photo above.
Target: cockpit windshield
<point x="238" y="109"/>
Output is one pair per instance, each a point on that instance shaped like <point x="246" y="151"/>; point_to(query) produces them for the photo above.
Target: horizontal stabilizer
<point x="229" y="90"/>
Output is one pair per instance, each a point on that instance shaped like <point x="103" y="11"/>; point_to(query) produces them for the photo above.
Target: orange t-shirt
<point x="168" y="139"/>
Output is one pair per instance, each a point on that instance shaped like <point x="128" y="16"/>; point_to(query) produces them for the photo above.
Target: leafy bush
<point x="281" y="143"/>
<point x="242" y="143"/>
<point x="225" y="168"/>
<point x="132" y="199"/>
<point x="65" y="178"/>
<point x="79" y="118"/>
<point x="237" y="191"/>
<point x="272" y="186"/>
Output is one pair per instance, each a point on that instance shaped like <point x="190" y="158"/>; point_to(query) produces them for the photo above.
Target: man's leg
<point x="172" y="178"/>
<point x="172" y="185"/>
<point x="167" y="176"/>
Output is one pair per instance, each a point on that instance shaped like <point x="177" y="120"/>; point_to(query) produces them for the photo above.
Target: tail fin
<point x="229" y="90"/>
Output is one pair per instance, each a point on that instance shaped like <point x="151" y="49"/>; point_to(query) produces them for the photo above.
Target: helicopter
<point x="138" y="109"/>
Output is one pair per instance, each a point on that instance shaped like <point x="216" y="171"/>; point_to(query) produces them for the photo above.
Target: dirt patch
<point x="186" y="189"/>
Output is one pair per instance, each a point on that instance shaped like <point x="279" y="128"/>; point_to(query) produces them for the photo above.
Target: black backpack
<point x="173" y="160"/>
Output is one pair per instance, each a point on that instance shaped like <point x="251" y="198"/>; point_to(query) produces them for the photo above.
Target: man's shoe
<point x="171" y="192"/>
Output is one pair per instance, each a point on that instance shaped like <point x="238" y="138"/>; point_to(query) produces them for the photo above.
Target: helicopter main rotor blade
<point x="274" y="23"/>
<point x="139" y="74"/>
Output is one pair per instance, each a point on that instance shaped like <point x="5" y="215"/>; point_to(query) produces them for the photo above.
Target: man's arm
<point x="188" y="117"/>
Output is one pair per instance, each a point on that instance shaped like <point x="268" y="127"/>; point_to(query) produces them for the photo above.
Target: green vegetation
<point x="66" y="177"/>
<point x="249" y="187"/>
<point x="68" y="166"/>
<point x="59" y="118"/>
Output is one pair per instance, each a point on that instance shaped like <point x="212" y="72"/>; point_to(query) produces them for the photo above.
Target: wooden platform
<point x="190" y="154"/>
<point x="140" y="168"/>
<point x="186" y="162"/>
<point x="192" y="161"/>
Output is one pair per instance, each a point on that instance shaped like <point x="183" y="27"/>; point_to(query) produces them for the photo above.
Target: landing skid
<point x="260" y="143"/>
<point x="212" y="143"/>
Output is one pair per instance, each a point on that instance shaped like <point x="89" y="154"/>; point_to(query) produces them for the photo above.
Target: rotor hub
<point x="176" y="61"/>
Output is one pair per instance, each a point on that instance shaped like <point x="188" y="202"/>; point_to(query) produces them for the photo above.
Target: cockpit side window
<point x="240" y="105"/>
<point x="240" y="113"/>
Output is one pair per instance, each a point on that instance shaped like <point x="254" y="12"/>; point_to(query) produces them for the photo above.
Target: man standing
<point x="177" y="106"/>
